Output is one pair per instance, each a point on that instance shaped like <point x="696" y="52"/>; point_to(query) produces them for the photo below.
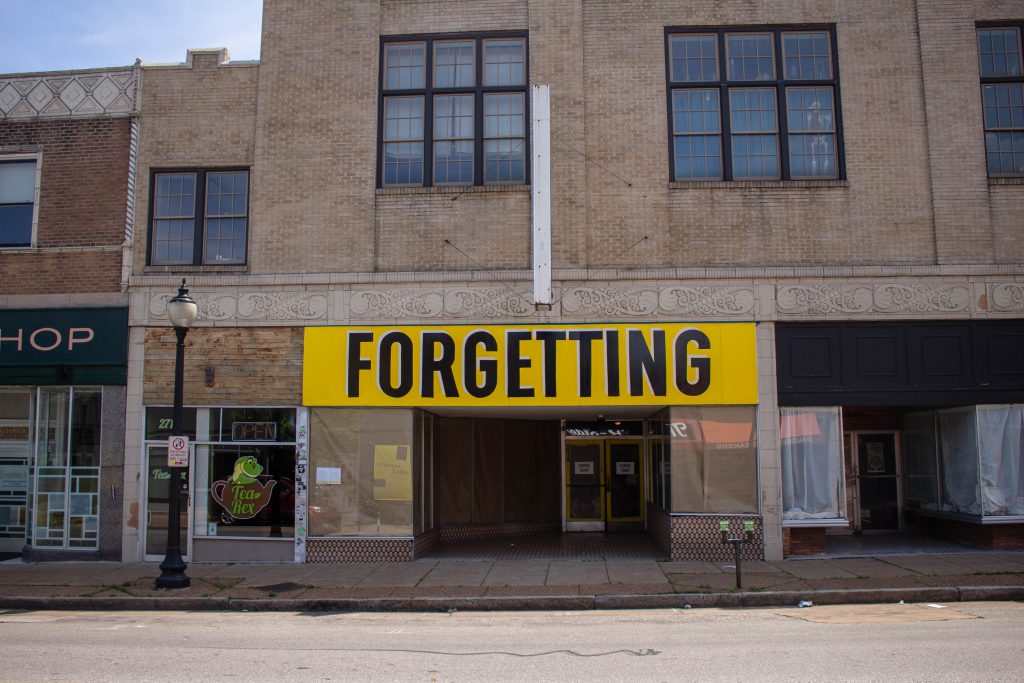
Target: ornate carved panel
<point x="894" y="298"/>
<point x="489" y="302"/>
<point x="611" y="301"/>
<point x="823" y="299"/>
<point x="704" y="301"/>
<point x="393" y="304"/>
<point x="1006" y="296"/>
<point x="93" y="93"/>
<point x="282" y="306"/>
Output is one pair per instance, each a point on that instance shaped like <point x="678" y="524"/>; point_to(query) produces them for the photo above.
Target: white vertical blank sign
<point x="540" y="104"/>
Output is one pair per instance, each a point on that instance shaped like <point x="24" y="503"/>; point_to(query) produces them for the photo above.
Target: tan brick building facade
<point x="909" y="239"/>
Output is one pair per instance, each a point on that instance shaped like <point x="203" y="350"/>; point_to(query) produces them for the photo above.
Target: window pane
<point x="812" y="156"/>
<point x="1003" y="106"/>
<point x="16" y="225"/>
<point x="713" y="459"/>
<point x="752" y="110"/>
<point x="698" y="157"/>
<point x="404" y="66"/>
<point x="403" y="163"/>
<point x="755" y="156"/>
<point x="361" y="462"/>
<point x="174" y="224"/>
<point x="505" y="62"/>
<point x="812" y="463"/>
<point x="1000" y="52"/>
<point x="453" y="64"/>
<point x="403" y="118"/>
<point x="810" y="110"/>
<point x="504" y="115"/>
<point x="694" y="58"/>
<point x="750" y="57"/>
<point x="1005" y="151"/>
<point x="453" y="117"/>
<point x="504" y="161"/>
<point x="806" y="56"/>
<point x="695" y="111"/>
<point x="453" y="162"/>
<point x="17" y="182"/>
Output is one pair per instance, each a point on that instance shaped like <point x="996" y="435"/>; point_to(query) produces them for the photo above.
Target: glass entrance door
<point x="603" y="484"/>
<point x="15" y="454"/>
<point x="158" y="481"/>
<point x="878" y="482"/>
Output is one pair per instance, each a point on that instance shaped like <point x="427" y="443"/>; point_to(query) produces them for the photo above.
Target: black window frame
<point x="199" y="215"/>
<point x="24" y="159"/>
<point x="1018" y="25"/>
<point x="723" y="84"/>
<point x="428" y="91"/>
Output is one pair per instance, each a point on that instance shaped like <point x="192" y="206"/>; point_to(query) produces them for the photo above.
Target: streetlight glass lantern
<point x="182" y="309"/>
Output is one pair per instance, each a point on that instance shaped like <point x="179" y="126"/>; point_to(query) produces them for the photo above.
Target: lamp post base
<point x="170" y="580"/>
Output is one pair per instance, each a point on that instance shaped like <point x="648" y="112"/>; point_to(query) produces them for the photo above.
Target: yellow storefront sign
<point x="530" y="365"/>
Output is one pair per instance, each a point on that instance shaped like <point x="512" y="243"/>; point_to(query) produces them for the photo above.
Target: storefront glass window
<point x="812" y="463"/>
<point x="67" y="472"/>
<point x="920" y="466"/>
<point x="361" y="472"/>
<point x="251" y="491"/>
<point x="15" y="454"/>
<point x="1001" y="440"/>
<point x="958" y="451"/>
<point x="713" y="459"/>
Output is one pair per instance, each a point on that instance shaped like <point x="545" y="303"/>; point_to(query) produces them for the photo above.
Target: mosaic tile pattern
<point x="320" y="550"/>
<point x="467" y="532"/>
<point x="696" y="537"/>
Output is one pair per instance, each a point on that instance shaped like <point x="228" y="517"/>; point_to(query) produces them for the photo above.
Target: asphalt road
<point x="960" y="641"/>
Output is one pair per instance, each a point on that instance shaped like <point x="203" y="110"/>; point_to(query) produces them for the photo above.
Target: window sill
<point x="172" y="270"/>
<point x="754" y="184"/>
<point x="1014" y="180"/>
<point x="15" y="250"/>
<point x="450" y="190"/>
<point x="833" y="522"/>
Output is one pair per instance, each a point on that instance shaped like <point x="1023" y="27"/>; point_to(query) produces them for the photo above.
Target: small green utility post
<point x="747" y="537"/>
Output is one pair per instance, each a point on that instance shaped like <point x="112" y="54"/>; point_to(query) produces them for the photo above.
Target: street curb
<point x="521" y="603"/>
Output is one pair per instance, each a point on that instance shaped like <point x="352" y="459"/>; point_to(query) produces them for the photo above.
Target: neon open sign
<point x="254" y="431"/>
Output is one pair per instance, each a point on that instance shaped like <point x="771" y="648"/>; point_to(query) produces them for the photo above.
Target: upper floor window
<point x="1002" y="98"/>
<point x="17" y="201"/>
<point x="453" y="111"/>
<point x="753" y="104"/>
<point x="199" y="217"/>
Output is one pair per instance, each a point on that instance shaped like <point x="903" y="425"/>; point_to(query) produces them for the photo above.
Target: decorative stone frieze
<point x="1006" y="296"/>
<point x="490" y="302"/>
<point x="823" y="299"/>
<point x="282" y="306"/>
<point x="254" y="306"/>
<point x="103" y="92"/>
<point x="707" y="301"/>
<point x="890" y="298"/>
<point x="922" y="298"/>
<point x="611" y="301"/>
<point x="392" y="304"/>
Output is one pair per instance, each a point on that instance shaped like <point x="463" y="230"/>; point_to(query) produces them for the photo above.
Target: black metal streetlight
<point x="182" y="312"/>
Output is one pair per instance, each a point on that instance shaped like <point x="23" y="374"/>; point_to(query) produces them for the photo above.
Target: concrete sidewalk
<point x="428" y="585"/>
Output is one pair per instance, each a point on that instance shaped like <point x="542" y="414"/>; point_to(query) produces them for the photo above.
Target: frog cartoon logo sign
<point x="242" y="494"/>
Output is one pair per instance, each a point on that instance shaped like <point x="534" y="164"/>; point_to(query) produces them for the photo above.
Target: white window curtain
<point x="812" y="457"/>
<point x="958" y="441"/>
<point x="1001" y="439"/>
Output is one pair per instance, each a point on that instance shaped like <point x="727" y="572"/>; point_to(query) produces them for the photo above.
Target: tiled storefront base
<point x="469" y="532"/>
<point x="319" y="550"/>
<point x="696" y="537"/>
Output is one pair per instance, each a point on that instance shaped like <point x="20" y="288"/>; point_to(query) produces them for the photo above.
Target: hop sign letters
<point x="177" y="451"/>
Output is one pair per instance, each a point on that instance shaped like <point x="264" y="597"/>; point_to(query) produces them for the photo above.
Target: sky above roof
<point x="49" y="35"/>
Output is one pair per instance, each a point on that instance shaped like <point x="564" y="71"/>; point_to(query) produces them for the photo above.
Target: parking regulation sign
<point x="177" y="451"/>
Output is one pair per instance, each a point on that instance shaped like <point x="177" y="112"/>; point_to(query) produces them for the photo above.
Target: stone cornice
<point x="69" y="94"/>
